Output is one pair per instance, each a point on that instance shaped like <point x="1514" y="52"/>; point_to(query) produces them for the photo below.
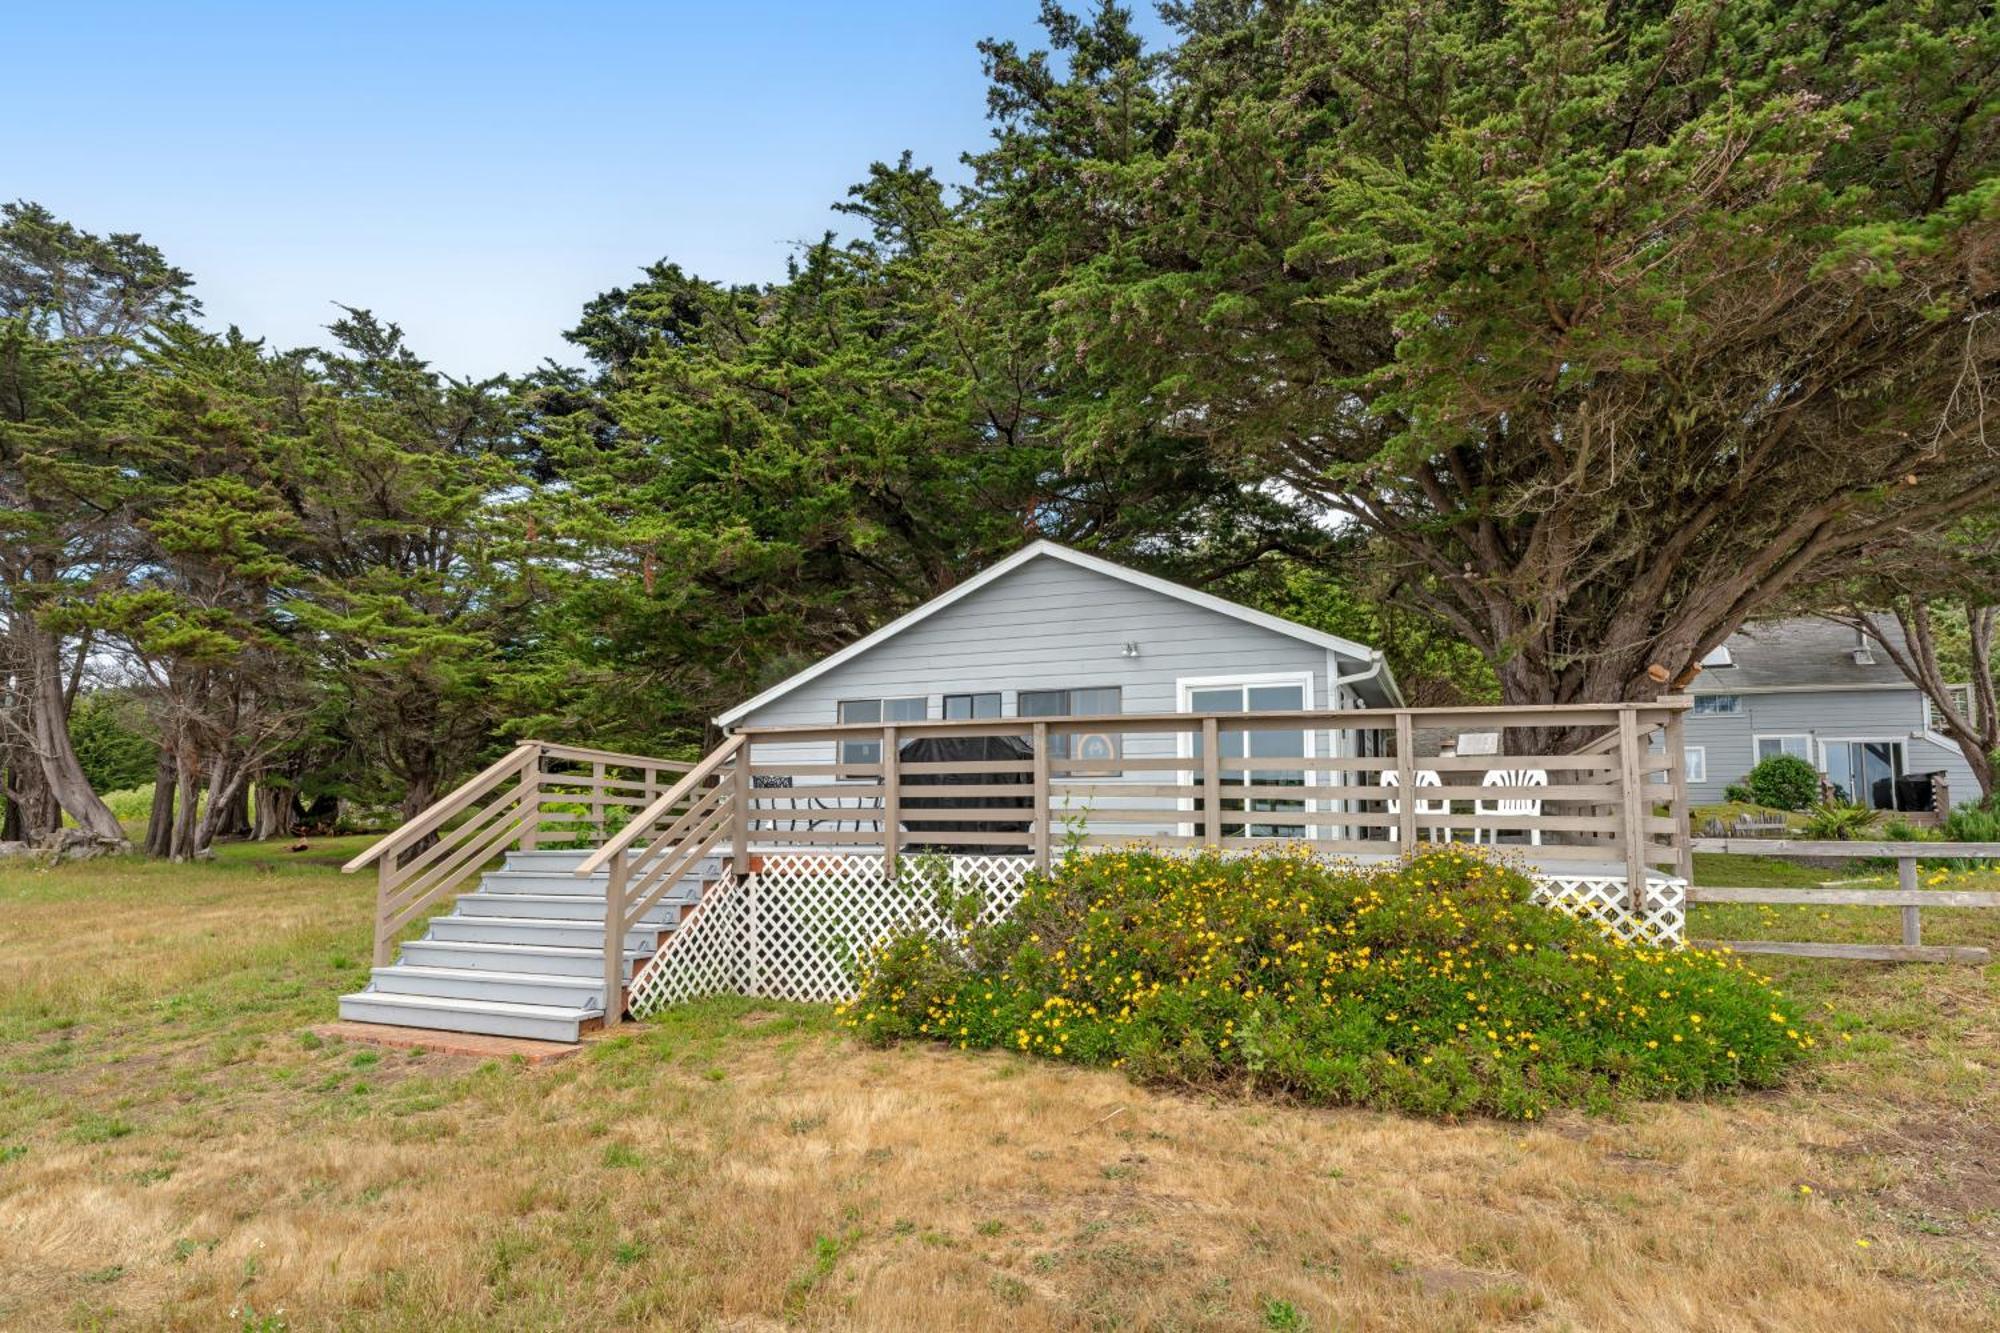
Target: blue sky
<point x="476" y="172"/>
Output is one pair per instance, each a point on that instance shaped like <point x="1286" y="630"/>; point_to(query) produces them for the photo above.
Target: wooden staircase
<point x="522" y="955"/>
<point x="547" y="943"/>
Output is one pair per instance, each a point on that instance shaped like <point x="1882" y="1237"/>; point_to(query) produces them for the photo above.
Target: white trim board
<point x="1054" y="550"/>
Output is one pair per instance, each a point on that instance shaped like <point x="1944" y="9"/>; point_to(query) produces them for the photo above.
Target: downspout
<point x="1335" y="681"/>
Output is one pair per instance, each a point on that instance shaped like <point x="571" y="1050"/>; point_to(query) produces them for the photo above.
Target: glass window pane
<point x="860" y="710"/>
<point x="1228" y="700"/>
<point x="1266" y="697"/>
<point x="1097" y="702"/>
<point x="904" y="710"/>
<point x="1042" y="703"/>
<point x="962" y="707"/>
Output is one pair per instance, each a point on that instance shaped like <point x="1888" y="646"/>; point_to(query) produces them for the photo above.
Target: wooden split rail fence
<point x="1908" y="896"/>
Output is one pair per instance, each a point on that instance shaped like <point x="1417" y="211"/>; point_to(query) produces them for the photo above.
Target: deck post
<point x="385" y="884"/>
<point x="1676" y="742"/>
<point x="599" y="775"/>
<point x="614" y="940"/>
<point x="1906" y="880"/>
<point x="1634" y="806"/>
<point x="1406" y="781"/>
<point x="1043" y="797"/>
<point x="531" y="778"/>
<point x="739" y="814"/>
<point x="1211" y="781"/>
<point x="892" y="803"/>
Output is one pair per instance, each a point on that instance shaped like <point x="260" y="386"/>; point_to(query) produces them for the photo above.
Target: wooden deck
<point x="1577" y="793"/>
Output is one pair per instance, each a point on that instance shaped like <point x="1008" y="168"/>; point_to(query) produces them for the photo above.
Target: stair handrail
<point x="640" y="824"/>
<point x="433" y="816"/>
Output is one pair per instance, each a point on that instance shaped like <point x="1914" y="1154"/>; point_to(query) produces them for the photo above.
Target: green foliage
<point x="1974" y="822"/>
<point x="1432" y="986"/>
<point x="1837" y="821"/>
<point x="1441" y="265"/>
<point x="111" y="743"/>
<point x="1783" y="782"/>
<point x="1738" y="794"/>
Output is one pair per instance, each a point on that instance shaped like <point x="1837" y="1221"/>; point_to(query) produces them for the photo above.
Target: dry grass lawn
<point x="177" y="1152"/>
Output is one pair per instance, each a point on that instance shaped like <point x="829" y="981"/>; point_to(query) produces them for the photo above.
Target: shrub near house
<point x="1432" y="986"/>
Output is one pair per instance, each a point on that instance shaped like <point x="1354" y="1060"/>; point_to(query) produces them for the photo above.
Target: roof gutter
<point x="1379" y="666"/>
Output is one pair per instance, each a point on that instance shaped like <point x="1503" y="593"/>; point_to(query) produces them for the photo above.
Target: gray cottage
<point x="1051" y="631"/>
<point x="1820" y="691"/>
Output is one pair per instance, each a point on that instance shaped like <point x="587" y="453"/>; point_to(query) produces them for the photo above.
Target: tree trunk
<point x="49" y="726"/>
<point x="225" y="792"/>
<point x="275" y="812"/>
<point x="31" y="810"/>
<point x="160" y="821"/>
<point x="187" y="793"/>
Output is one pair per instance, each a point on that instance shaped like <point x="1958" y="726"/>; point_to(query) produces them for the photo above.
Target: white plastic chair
<point x="1527" y="806"/>
<point x="1425" y="778"/>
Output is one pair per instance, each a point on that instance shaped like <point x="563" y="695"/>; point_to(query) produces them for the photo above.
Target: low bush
<point x="1835" y="821"/>
<point x="1783" y="782"/>
<point x="1973" y="822"/>
<point x="1432" y="985"/>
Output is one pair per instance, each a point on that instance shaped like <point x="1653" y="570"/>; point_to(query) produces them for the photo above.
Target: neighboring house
<point x="1817" y="690"/>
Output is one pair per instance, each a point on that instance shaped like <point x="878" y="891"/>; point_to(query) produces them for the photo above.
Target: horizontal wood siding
<point x="1050" y="625"/>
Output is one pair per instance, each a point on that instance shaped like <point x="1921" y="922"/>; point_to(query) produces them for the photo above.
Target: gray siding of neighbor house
<point x="1729" y="745"/>
<point x="1052" y="625"/>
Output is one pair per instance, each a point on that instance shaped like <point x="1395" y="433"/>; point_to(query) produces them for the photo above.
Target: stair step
<point x="545" y="960"/>
<point x="536" y="930"/>
<point x="562" y="906"/>
<point x="543" y="1022"/>
<point x="466" y="983"/>
<point x="555" y="881"/>
<point x="563" y="862"/>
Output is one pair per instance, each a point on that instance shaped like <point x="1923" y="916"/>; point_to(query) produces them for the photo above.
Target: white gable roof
<point x="1045" y="549"/>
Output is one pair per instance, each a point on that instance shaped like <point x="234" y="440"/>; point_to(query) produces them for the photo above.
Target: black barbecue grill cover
<point x="962" y="750"/>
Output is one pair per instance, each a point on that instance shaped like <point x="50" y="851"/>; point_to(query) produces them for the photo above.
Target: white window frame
<point x="1962" y="704"/>
<point x="1184" y="688"/>
<point x="841" y="770"/>
<point x="1758" y="738"/>
<point x="1695" y="757"/>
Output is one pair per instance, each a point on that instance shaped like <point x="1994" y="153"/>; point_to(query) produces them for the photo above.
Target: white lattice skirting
<point x="793" y="929"/>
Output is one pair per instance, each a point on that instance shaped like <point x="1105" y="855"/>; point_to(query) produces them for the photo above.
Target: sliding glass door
<point x="1276" y="746"/>
<point x="1865" y="772"/>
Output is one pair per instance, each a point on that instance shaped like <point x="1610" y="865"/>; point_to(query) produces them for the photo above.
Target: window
<point x="963" y="707"/>
<point x="1717" y="705"/>
<point x="1798" y="747"/>
<point x="1694" y="763"/>
<point x="1099" y="701"/>
<point x="875" y="710"/>
<point x="1717" y="657"/>
<point x="1242" y="745"/>
<point x="1961" y="702"/>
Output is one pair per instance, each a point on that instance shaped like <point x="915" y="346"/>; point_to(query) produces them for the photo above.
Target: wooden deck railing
<point x="1346" y="782"/>
<point x="537" y="794"/>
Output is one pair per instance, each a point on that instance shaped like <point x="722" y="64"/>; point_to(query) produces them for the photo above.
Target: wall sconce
<point x="1131" y="648"/>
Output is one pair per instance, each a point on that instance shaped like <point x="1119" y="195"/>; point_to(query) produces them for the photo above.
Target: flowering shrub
<point x="1431" y="985"/>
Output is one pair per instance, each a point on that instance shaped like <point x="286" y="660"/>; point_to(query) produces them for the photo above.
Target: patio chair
<point x="1529" y="807"/>
<point x="1425" y="778"/>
